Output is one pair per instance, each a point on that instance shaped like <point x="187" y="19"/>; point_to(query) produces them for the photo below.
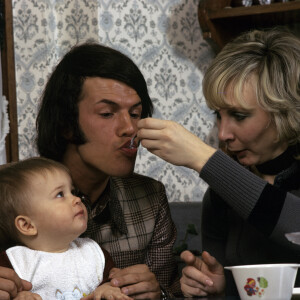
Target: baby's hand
<point x="26" y="295"/>
<point x="108" y="292"/>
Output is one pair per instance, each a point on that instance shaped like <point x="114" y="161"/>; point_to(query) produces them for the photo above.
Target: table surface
<point x="294" y="297"/>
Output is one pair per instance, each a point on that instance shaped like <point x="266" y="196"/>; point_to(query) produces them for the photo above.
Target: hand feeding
<point x="131" y="146"/>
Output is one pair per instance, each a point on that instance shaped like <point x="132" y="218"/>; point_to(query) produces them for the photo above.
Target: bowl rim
<point x="294" y="265"/>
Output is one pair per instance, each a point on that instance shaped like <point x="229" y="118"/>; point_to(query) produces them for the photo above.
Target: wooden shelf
<point x="229" y="12"/>
<point x="226" y="23"/>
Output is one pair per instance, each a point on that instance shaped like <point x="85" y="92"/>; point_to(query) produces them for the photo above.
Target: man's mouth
<point x="129" y="149"/>
<point x="131" y="144"/>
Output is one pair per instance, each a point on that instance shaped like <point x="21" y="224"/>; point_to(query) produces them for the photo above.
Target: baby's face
<point x="58" y="215"/>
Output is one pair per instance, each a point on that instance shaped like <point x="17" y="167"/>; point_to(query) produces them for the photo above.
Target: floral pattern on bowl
<point x="253" y="287"/>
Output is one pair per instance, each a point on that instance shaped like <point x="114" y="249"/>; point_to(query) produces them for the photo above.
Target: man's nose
<point x="126" y="125"/>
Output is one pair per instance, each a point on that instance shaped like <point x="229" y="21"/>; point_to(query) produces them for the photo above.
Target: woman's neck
<point x="279" y="163"/>
<point x="268" y="170"/>
<point x="269" y="178"/>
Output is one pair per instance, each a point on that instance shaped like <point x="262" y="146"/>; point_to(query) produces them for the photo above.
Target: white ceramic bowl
<point x="271" y="281"/>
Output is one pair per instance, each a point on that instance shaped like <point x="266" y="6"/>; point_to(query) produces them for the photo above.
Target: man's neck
<point x="88" y="180"/>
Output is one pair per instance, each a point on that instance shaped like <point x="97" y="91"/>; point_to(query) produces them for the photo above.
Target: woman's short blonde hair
<point x="271" y="59"/>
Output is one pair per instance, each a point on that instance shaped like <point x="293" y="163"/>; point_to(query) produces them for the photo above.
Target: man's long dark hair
<point x="58" y="113"/>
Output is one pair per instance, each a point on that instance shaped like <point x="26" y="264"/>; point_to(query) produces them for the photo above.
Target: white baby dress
<point x="68" y="275"/>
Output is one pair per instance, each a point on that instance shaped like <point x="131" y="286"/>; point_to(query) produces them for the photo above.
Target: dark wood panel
<point x="9" y="81"/>
<point x="255" y="10"/>
<point x="224" y="24"/>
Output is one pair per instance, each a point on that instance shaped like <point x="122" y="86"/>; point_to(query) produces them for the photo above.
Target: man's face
<point x="108" y="114"/>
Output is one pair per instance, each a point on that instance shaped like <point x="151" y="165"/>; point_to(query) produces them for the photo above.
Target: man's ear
<point x="25" y="225"/>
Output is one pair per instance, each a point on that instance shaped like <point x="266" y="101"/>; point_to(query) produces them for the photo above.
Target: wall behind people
<point x="162" y="37"/>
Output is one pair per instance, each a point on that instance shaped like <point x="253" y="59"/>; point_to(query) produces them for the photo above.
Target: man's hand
<point x="201" y="277"/>
<point x="136" y="281"/>
<point x="11" y="284"/>
<point x="108" y="292"/>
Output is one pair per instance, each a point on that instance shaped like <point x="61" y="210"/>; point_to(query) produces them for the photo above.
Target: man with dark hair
<point x="59" y="110"/>
<point x="87" y="120"/>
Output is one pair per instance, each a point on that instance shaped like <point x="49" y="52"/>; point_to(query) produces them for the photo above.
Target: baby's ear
<point x="25" y="225"/>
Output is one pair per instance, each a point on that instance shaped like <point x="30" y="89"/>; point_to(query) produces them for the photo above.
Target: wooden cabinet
<point x="223" y="24"/>
<point x="8" y="79"/>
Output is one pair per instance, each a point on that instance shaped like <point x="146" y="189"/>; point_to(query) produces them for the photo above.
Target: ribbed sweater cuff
<point x="239" y="187"/>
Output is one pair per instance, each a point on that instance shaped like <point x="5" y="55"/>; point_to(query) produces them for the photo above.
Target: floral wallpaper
<point x="162" y="37"/>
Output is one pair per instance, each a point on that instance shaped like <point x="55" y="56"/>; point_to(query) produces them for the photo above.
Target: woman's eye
<point x="217" y="114"/>
<point x="239" y="116"/>
<point x="60" y="195"/>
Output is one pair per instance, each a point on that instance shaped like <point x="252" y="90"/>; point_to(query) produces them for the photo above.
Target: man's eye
<point x="135" y="115"/>
<point x="106" y="115"/>
<point x="60" y="195"/>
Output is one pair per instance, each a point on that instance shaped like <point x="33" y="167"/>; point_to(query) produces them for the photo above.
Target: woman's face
<point x="248" y="133"/>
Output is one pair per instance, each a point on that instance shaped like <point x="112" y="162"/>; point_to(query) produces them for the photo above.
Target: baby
<point x="40" y="223"/>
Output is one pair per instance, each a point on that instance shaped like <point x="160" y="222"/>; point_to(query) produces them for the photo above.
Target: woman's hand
<point x="201" y="277"/>
<point x="173" y="143"/>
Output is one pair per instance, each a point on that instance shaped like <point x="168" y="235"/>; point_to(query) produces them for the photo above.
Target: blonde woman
<point x="253" y="85"/>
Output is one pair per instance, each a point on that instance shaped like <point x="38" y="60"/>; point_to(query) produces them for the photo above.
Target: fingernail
<point x="115" y="282"/>
<point x="209" y="282"/>
<point x="125" y="291"/>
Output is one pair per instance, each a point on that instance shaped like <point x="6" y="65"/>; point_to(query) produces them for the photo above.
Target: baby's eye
<point x="60" y="195"/>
